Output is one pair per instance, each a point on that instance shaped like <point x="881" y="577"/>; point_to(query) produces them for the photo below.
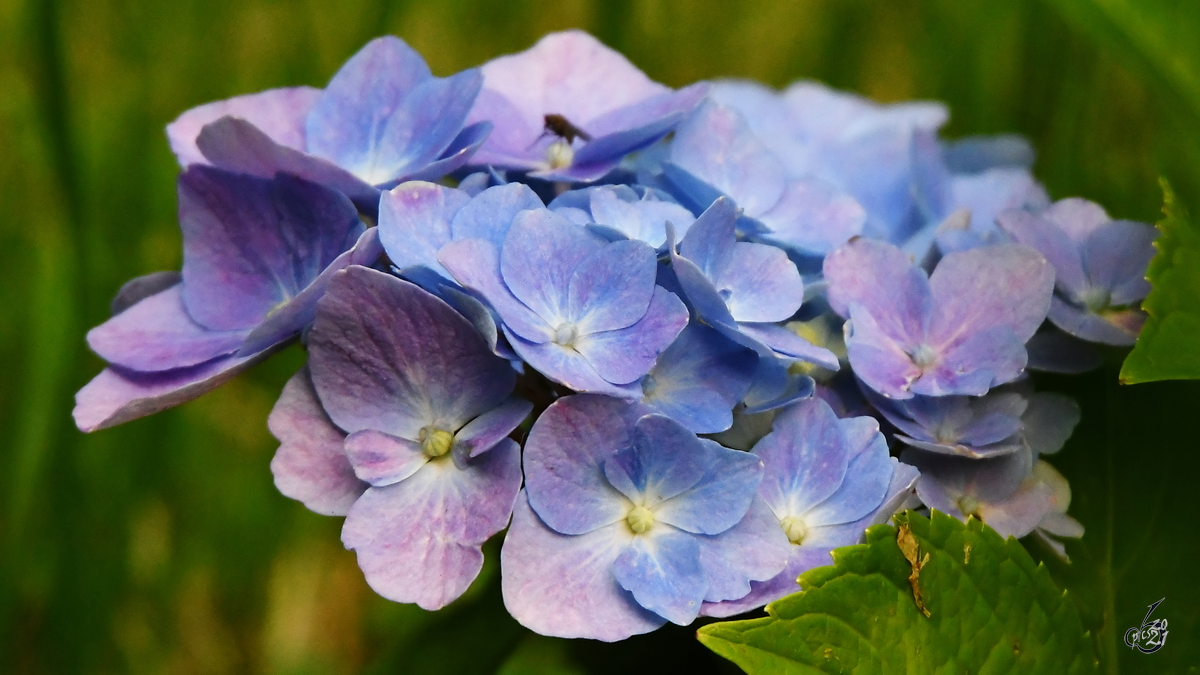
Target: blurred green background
<point x="162" y="545"/>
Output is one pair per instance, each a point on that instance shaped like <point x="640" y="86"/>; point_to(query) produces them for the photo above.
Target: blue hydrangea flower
<point x="972" y="202"/>
<point x="884" y="156"/>
<point x="742" y="289"/>
<point x="382" y="119"/>
<point x="628" y="523"/>
<point x="582" y="311"/>
<point x="589" y="86"/>
<point x="1100" y="264"/>
<point x="257" y="255"/>
<point x="715" y="154"/>
<point x="961" y="330"/>
<point x="425" y="408"/>
<point x="825" y="480"/>
<point x="623" y="212"/>
<point x="699" y="379"/>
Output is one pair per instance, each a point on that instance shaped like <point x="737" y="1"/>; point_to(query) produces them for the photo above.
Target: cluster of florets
<point x="653" y="333"/>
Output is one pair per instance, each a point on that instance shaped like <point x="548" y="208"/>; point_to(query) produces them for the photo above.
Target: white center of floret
<point x="1096" y="299"/>
<point x="566" y="334"/>
<point x="968" y="505"/>
<point x="795" y="528"/>
<point x="560" y="154"/>
<point x="923" y="356"/>
<point x="639" y="519"/>
<point x="435" y="442"/>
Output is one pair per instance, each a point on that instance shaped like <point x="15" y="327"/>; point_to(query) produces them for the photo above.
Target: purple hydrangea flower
<point x="628" y="523"/>
<point x="425" y="408"/>
<point x="961" y="330"/>
<point x="257" y="255"/>
<point x="622" y="212"/>
<point x="1100" y="264"/>
<point x="742" y="289"/>
<point x="382" y="119"/>
<point x="826" y="480"/>
<point x="878" y="154"/>
<point x="611" y="107"/>
<point x="699" y="379"/>
<point x="973" y="201"/>
<point x="582" y="311"/>
<point x="715" y="154"/>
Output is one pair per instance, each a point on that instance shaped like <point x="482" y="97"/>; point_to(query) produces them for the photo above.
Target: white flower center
<point x="795" y="528"/>
<point x="923" y="356"/>
<point x="435" y="442"/>
<point x="565" y="334"/>
<point x="560" y="154"/>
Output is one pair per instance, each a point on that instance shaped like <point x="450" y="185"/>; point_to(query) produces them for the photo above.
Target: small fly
<point x="557" y="125"/>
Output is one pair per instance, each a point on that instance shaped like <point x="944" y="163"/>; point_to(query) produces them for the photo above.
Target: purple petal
<point x="1057" y="352"/>
<point x="564" y="586"/>
<point x="784" y="342"/>
<point x="309" y="465"/>
<point x="420" y="540"/>
<point x="567" y="366"/>
<point x="812" y="216"/>
<point x="645" y="113"/>
<point x="157" y="334"/>
<point x="475" y="263"/>
<point x="539" y="257"/>
<point x="643" y="219"/>
<point x="1053" y="243"/>
<point x="424" y="126"/>
<point x="604" y="153"/>
<point x="721" y="498"/>
<point x="1079" y="218"/>
<point x="805" y="458"/>
<point x="114" y="396"/>
<point x="564" y="457"/>
<point x="139" y="288"/>
<point x="716" y="146"/>
<point x="703" y="297"/>
<point x="756" y="549"/>
<point x="626" y="354"/>
<point x="462" y="148"/>
<point x="867" y="478"/>
<point x="699" y="379"/>
<point x="945" y="480"/>
<point x="250" y="244"/>
<point x="880" y="278"/>
<point x="490" y="213"/>
<point x="802" y="559"/>
<point x="974" y="363"/>
<point x="236" y="145"/>
<point x="414" y="222"/>
<point x="382" y="459"/>
<point x="760" y="284"/>
<point x="484" y="432"/>
<point x="1114" y="328"/>
<point x="388" y="356"/>
<point x="612" y="287"/>
<point x="1049" y="421"/>
<point x="1115" y="258"/>
<point x="278" y="113"/>
<point x="663" y="461"/>
<point x="878" y="360"/>
<point x="711" y="239"/>
<point x="662" y="570"/>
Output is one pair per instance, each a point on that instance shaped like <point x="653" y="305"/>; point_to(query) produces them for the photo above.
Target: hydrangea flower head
<point x="624" y="212"/>
<point x="1100" y="264"/>
<point x="960" y="330"/>
<point x="570" y="109"/>
<point x="382" y="119"/>
<point x="715" y="154"/>
<point x="257" y="255"/>
<point x="426" y="410"/>
<point x="581" y="310"/>
<point x="825" y="480"/>
<point x="741" y="288"/>
<point x="627" y="523"/>
<point x="974" y="200"/>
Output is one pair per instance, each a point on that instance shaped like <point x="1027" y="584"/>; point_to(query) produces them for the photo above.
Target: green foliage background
<point x="162" y="546"/>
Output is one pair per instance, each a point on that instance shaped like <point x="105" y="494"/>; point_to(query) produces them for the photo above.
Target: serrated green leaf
<point x="1168" y="347"/>
<point x="991" y="610"/>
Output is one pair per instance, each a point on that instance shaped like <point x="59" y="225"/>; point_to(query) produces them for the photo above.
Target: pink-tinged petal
<point x="755" y="549"/>
<point x="880" y="278"/>
<point x="157" y="334"/>
<point x="813" y="217"/>
<point x="117" y="396"/>
<point x="564" y="585"/>
<point x="236" y="145"/>
<point x="539" y="257"/>
<point x="252" y="244"/>
<point x="974" y="363"/>
<point x="382" y="459"/>
<point x="568" y="366"/>
<point x="1054" y="244"/>
<point x="877" y="359"/>
<point x="475" y="263"/>
<point x="310" y="465"/>
<point x="564" y="460"/>
<point x="1078" y="217"/>
<point x="414" y="222"/>
<point x="612" y="288"/>
<point x="484" y="432"/>
<point x="997" y="286"/>
<point x="278" y="113"/>
<point x="624" y="355"/>
<point x="389" y="356"/>
<point x="419" y="541"/>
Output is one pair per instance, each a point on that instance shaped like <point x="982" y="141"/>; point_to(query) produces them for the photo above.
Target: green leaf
<point x="1168" y="347"/>
<point x="991" y="609"/>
